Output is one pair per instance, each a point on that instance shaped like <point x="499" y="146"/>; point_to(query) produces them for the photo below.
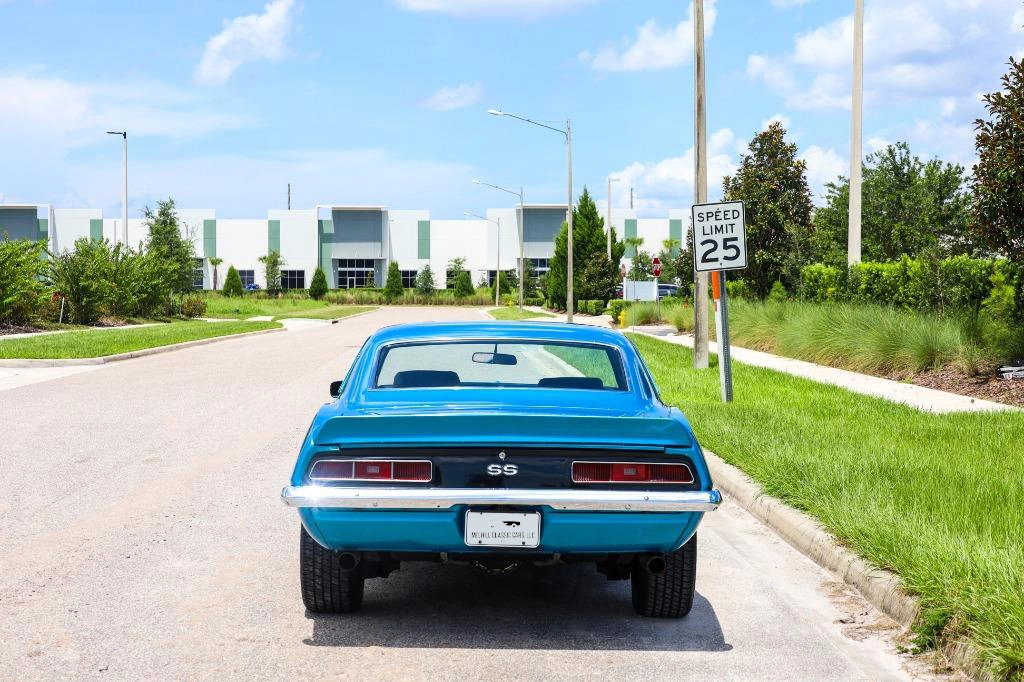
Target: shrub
<point x="393" y="289"/>
<point x="738" y="289"/>
<point x="463" y="284"/>
<point x="617" y="306"/>
<point x="425" y="281"/>
<point x="778" y="293"/>
<point x="537" y="301"/>
<point x="821" y="283"/>
<point x="681" y="317"/>
<point x="81" y="277"/>
<point x="272" y="263"/>
<point x="998" y="331"/>
<point x="193" y="305"/>
<point x="318" y="286"/>
<point x="21" y="266"/>
<point x="643" y="313"/>
<point x="232" y="282"/>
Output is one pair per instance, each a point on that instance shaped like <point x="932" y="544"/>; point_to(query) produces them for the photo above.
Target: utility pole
<point x="569" y="301"/>
<point x="700" y="289"/>
<point x="608" y="227"/>
<point x="631" y="198"/>
<point x="853" y="247"/>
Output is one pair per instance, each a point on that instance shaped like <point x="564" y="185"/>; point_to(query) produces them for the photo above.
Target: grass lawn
<point x="939" y="499"/>
<point x="333" y="312"/>
<point x="250" y="306"/>
<point x="92" y="344"/>
<point x="513" y="313"/>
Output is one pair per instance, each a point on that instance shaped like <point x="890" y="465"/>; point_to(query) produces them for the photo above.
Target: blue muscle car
<point x="498" y="445"/>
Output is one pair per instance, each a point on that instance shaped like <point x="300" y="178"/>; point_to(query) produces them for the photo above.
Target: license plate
<point x="502" y="529"/>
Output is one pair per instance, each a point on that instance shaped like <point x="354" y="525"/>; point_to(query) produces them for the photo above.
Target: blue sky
<point x="384" y="102"/>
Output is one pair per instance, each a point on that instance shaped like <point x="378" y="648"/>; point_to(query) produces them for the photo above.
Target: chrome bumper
<point x="444" y="498"/>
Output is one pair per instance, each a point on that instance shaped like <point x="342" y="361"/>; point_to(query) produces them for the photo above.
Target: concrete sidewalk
<point x="919" y="397"/>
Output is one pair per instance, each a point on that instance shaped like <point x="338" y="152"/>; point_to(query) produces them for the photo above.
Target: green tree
<point x="232" y="282"/>
<point x="393" y="287"/>
<point x="530" y="284"/>
<point x="669" y="255"/>
<point x="910" y="206"/>
<point x="214" y="262"/>
<point x="464" y="284"/>
<point x="595" y="275"/>
<point x="425" y="281"/>
<point x="318" y="286"/>
<point x="641" y="269"/>
<point x="272" y="263"/>
<point x="168" y="244"/>
<point x="455" y="266"/>
<point x="21" y="267"/>
<point x="773" y="184"/>
<point x="81" y="277"/>
<point x="998" y="185"/>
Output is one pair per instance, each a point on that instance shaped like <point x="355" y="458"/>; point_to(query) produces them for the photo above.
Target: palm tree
<point x="214" y="261"/>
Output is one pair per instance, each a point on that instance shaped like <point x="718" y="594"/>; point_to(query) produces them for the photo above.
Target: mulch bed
<point x="986" y="387"/>
<point x="15" y="329"/>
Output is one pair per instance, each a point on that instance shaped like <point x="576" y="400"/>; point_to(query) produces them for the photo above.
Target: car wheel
<point x="668" y="594"/>
<point x="326" y="586"/>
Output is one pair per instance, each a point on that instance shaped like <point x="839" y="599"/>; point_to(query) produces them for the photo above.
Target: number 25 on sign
<point x="719" y="237"/>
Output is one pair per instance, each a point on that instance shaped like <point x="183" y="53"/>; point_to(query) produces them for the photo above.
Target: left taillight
<point x="631" y="472"/>
<point x="416" y="471"/>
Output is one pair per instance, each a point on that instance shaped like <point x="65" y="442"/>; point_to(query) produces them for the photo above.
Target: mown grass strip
<point x="97" y="343"/>
<point x="329" y="313"/>
<point x="938" y="499"/>
<point x="512" y="313"/>
<point x="251" y="306"/>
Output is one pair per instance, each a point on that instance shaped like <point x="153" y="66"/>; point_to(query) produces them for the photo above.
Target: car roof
<point x="554" y="331"/>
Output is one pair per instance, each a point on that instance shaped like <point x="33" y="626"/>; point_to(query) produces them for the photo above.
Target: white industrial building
<point x="350" y="243"/>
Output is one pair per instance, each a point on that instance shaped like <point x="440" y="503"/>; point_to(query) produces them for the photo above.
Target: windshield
<point x="533" y="364"/>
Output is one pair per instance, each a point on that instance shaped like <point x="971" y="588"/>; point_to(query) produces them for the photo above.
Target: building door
<point x="351" y="283"/>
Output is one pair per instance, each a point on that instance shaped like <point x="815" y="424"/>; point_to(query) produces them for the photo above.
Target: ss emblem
<point x="500" y="469"/>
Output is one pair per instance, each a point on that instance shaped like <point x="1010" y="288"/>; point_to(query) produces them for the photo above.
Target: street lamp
<point x="609" y="225"/>
<point x="568" y="143"/>
<point x="124" y="197"/>
<point x="522" y="227"/>
<point x="497" y="270"/>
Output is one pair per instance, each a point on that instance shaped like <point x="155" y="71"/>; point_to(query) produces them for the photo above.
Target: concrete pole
<point x="497" y="272"/>
<point x="700" y="289"/>
<point x="520" y="224"/>
<point x="568" y="284"/>
<point x="853" y="249"/>
<point x="124" y="196"/>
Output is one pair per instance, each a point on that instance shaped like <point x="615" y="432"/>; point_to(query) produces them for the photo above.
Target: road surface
<point x="142" y="537"/>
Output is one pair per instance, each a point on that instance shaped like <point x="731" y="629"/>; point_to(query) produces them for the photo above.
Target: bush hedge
<point x="590" y="307"/>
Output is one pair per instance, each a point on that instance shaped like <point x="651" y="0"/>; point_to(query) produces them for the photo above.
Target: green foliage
<point x="232" y="282"/>
<point x="739" y="289"/>
<point x="773" y="184"/>
<point x="617" y="306"/>
<point x="640" y="270"/>
<point x="81" y="277"/>
<point x="455" y="266"/>
<point x="317" y="287"/>
<point x="272" y="263"/>
<point x="536" y="301"/>
<point x="193" y="305"/>
<point x="909" y="206"/>
<point x="530" y="288"/>
<point x="998" y="184"/>
<point x="215" y="263"/>
<point x="594" y="274"/>
<point x="167" y="243"/>
<point x="393" y="287"/>
<point x="464" y="284"/>
<point x="778" y="293"/>
<point x="425" y="281"/>
<point x="21" y="268"/>
<point x="590" y="307"/>
<point x="998" y="330"/>
<point x="821" y="283"/>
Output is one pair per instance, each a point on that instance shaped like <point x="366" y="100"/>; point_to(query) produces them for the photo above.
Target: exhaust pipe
<point x="655" y="564"/>
<point x="347" y="561"/>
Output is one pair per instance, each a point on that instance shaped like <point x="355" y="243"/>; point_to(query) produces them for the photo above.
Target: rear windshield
<point x="492" y="364"/>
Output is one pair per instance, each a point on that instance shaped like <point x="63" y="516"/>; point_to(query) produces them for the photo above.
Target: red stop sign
<point x="657" y="266"/>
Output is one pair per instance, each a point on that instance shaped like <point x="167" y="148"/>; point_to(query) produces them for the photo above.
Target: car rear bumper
<point x="321" y="497"/>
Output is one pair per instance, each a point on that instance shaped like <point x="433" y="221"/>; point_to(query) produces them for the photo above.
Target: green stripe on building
<point x="630" y="225"/>
<point x="423" y="239"/>
<point x="44" y="230"/>
<point x="274" y="236"/>
<point x="675" y="233"/>
<point x="325" y="227"/>
<point x="210" y="238"/>
<point x="96" y="229"/>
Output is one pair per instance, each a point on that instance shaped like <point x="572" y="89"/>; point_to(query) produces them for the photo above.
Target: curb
<point x="72" y="362"/>
<point x="882" y="588"/>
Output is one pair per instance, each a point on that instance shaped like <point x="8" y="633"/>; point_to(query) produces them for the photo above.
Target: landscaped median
<point x="104" y="342"/>
<point x="512" y="313"/>
<point x="226" y="307"/>
<point x="938" y="499"/>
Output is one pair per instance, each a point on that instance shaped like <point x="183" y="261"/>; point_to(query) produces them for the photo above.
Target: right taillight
<point x="630" y="472"/>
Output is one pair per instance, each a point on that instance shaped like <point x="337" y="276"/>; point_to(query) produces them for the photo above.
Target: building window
<point x="293" y="279"/>
<point x="198" y="276"/>
<point x="248" y="278"/>
<point x="355" y="273"/>
<point x="409" y="278"/>
<point x="541" y="267"/>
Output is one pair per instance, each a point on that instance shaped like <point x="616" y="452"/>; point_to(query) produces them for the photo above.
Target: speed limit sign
<point x="719" y="237"/>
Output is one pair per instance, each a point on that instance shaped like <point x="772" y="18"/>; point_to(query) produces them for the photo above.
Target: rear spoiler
<point x="506" y="429"/>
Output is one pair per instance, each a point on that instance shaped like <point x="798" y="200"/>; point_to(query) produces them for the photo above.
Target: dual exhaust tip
<point x="655" y="564"/>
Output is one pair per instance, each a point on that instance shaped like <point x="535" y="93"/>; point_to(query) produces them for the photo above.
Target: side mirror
<point x="336" y="388"/>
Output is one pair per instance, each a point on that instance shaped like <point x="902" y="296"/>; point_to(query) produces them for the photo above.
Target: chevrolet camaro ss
<point x="499" y="445"/>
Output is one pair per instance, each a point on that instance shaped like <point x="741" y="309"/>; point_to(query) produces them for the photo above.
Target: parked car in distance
<point x="252" y="287"/>
<point x="499" y="445"/>
<point x="667" y="290"/>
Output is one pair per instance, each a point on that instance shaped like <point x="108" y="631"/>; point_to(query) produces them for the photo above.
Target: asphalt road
<point x="141" y="536"/>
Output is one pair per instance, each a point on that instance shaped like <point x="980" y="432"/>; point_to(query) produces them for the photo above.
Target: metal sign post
<point x="720" y="244"/>
<point x="656" y="269"/>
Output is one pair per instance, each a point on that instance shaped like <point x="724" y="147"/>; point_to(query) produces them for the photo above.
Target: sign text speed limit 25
<point x="719" y="237"/>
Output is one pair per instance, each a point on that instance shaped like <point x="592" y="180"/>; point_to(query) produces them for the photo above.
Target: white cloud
<point x="449" y="98"/>
<point x="654" y="47"/>
<point x="823" y="166"/>
<point x="789" y="4"/>
<point x="524" y="9"/>
<point x="249" y="38"/>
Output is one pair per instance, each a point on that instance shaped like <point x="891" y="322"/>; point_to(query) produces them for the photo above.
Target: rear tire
<point x="326" y="588"/>
<point x="670" y="593"/>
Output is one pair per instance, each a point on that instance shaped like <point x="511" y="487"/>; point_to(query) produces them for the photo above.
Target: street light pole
<point x="609" y="225"/>
<point x="124" y="196"/>
<point x="497" y="269"/>
<point x="569" y="260"/>
<point x="521" y="226"/>
<point x="700" y="289"/>
<point x="853" y="250"/>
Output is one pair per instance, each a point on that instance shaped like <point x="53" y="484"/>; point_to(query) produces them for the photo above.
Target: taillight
<point x="371" y="470"/>
<point x="630" y="472"/>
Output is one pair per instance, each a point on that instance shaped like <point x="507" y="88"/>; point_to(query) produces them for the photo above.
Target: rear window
<point x="532" y="364"/>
